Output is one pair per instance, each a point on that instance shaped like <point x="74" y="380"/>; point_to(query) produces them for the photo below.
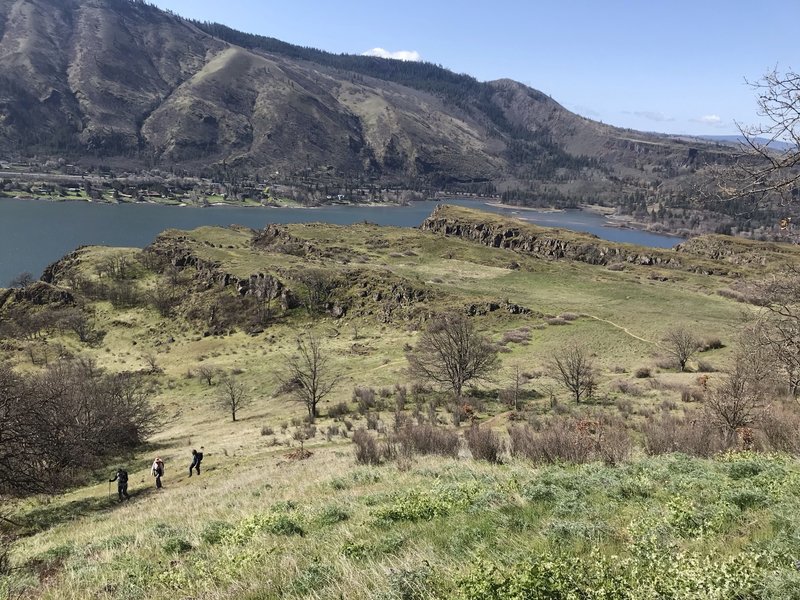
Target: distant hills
<point x="740" y="139"/>
<point x="126" y="83"/>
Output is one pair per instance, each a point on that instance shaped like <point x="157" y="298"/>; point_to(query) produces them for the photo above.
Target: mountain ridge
<point x="103" y="79"/>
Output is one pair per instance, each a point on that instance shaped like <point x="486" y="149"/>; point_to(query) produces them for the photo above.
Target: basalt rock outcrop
<point x="543" y="242"/>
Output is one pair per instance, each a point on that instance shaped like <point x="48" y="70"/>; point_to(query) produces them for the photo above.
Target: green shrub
<point x="424" y="505"/>
<point x="175" y="545"/>
<point x="215" y="531"/>
<point x="332" y="514"/>
<point x="313" y="578"/>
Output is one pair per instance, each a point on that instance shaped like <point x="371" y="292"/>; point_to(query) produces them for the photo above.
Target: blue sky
<point x="669" y="66"/>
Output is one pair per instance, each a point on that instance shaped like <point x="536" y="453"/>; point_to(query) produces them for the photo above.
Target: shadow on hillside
<point x="49" y="515"/>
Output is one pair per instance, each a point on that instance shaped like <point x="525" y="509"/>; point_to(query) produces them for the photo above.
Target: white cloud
<point x="652" y="115"/>
<point x="411" y="55"/>
<point x="708" y="120"/>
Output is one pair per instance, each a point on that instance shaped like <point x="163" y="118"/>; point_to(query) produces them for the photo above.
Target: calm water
<point x="34" y="234"/>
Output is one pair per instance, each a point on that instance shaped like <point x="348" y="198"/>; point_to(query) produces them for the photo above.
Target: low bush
<point x="666" y="434"/>
<point x="779" y="426"/>
<point x="337" y="411"/>
<point x="712" y="343"/>
<point x="516" y="336"/>
<point x="368" y="451"/>
<point x="623" y="386"/>
<point x="429" y="439"/>
<point x="642" y="373"/>
<point x="484" y="444"/>
<point x="365" y="398"/>
<point x="705" y="367"/>
<point x="558" y="440"/>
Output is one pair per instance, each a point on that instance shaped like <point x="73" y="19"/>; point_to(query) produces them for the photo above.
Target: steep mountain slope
<point x="119" y="78"/>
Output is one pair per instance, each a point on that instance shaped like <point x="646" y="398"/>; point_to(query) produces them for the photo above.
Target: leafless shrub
<point x="666" y="434"/>
<point x="624" y="386"/>
<point x="614" y="444"/>
<point x="739" y="399"/>
<point x="367" y="451"/>
<point x="458" y="413"/>
<point x="556" y="321"/>
<point x="400" y="396"/>
<point x="428" y="439"/>
<point x="419" y="389"/>
<point x="558" y="440"/>
<point x="372" y="421"/>
<point x="666" y="362"/>
<point x="568" y="316"/>
<point x="484" y="444"/>
<point x="711" y="343"/>
<point x="58" y="423"/>
<point x="365" y="398"/>
<point x="705" y="367"/>
<point x="642" y="373"/>
<point x="625" y="407"/>
<point x="267" y="430"/>
<point x="516" y="336"/>
<point x="667" y="406"/>
<point x="780" y="426"/>
<point x="337" y="411"/>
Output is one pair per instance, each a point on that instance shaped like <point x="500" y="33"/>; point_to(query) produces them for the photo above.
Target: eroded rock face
<point x="544" y="245"/>
<point x="38" y="293"/>
<point x="726" y="251"/>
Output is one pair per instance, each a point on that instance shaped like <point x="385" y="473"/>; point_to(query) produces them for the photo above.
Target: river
<point x="34" y="234"/>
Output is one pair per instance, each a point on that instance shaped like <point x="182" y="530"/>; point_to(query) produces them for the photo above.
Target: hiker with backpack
<point x="197" y="458"/>
<point x="121" y="477"/>
<point x="158" y="471"/>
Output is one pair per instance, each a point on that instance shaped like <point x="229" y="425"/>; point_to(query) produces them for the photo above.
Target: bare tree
<point x="451" y="353"/>
<point x="317" y="290"/>
<point x="57" y="423"/>
<point x="22" y="280"/>
<point x="681" y="344"/>
<point x="573" y="368"/>
<point x="739" y="400"/>
<point x="164" y="296"/>
<point x="207" y="373"/>
<point x="81" y="323"/>
<point x="768" y="168"/>
<point x="777" y="326"/>
<point x="264" y="290"/>
<point x="308" y="374"/>
<point x="233" y="396"/>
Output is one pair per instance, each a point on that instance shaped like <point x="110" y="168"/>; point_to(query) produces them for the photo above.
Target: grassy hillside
<point x="265" y="521"/>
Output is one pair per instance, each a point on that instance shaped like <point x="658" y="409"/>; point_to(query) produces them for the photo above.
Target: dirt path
<point x="621" y="328"/>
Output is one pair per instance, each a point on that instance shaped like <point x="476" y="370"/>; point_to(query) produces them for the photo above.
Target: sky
<point x="672" y="66"/>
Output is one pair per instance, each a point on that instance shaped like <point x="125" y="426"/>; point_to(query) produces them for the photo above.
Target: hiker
<point x="197" y="458"/>
<point x="158" y="471"/>
<point x="121" y="477"/>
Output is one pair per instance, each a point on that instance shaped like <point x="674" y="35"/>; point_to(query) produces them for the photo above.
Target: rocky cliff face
<point x="545" y="243"/>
